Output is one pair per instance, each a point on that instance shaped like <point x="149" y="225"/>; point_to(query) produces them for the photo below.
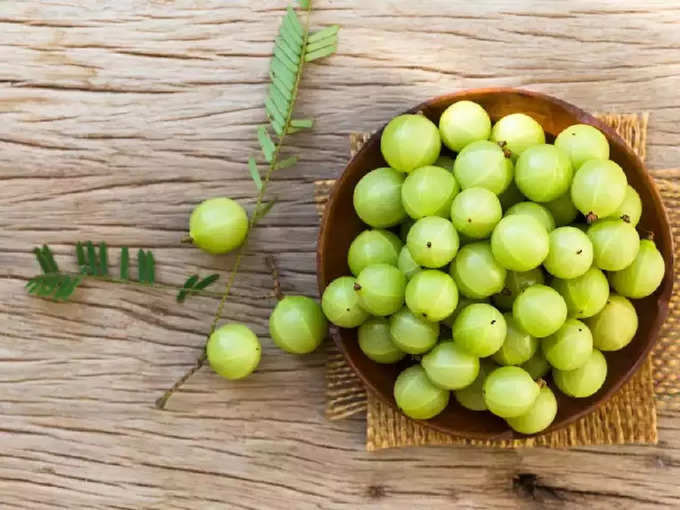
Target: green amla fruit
<point x="233" y="351"/>
<point x="218" y="225"/>
<point x="297" y="324"/>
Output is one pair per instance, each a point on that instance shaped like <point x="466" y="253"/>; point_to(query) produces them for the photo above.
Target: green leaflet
<point x="278" y="99"/>
<point x="192" y="285"/>
<point x="103" y="260"/>
<point x="188" y="285"/>
<point x="46" y="259"/>
<point x="291" y="44"/>
<point x="302" y="123"/>
<point x="286" y="163"/>
<point x="322" y="43"/>
<point x="255" y="173"/>
<point x="262" y="211"/>
<point x="285" y="75"/>
<point x="276" y="118"/>
<point x="292" y="20"/>
<point x="56" y="286"/>
<point x="92" y="260"/>
<point x="320" y="53"/>
<point x="288" y="50"/>
<point x="266" y="143"/>
<point x="124" y="263"/>
<point x="91" y="257"/>
<point x="65" y="289"/>
<point x="323" y="34"/>
<point x="51" y="284"/>
<point x="282" y="58"/>
<point x="146" y="267"/>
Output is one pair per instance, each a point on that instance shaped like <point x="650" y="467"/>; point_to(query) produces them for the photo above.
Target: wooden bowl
<point x="340" y="226"/>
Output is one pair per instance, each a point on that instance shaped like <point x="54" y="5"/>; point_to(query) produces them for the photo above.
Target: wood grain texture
<point x="117" y="117"/>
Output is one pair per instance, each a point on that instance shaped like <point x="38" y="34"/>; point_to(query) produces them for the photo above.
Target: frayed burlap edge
<point x="629" y="417"/>
<point x="666" y="354"/>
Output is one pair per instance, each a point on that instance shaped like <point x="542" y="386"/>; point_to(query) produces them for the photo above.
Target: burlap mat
<point x="628" y="417"/>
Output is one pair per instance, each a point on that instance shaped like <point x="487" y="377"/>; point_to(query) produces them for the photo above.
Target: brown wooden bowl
<point x="340" y="226"/>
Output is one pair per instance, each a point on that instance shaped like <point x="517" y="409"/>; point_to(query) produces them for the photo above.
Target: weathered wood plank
<point x="117" y="117"/>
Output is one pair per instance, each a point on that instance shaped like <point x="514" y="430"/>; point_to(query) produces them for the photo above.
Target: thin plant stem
<point x="160" y="402"/>
<point x="271" y="263"/>
<point x="200" y="361"/>
<point x="155" y="285"/>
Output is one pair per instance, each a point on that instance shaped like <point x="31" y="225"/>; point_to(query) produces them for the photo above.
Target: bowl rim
<point x="585" y="117"/>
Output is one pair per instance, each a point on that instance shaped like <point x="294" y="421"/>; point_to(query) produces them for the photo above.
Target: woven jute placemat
<point x="628" y="417"/>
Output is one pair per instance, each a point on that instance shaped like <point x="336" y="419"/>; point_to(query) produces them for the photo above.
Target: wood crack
<point x="91" y="88"/>
<point x="528" y="485"/>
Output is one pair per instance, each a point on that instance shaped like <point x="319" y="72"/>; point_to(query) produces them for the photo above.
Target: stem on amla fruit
<point x="271" y="264"/>
<point x="591" y="217"/>
<point x="504" y="145"/>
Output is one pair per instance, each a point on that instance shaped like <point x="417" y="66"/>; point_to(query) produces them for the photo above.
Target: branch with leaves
<point x="93" y="263"/>
<point x="294" y="46"/>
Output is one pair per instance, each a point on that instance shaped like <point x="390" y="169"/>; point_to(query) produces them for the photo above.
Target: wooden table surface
<point x="117" y="117"/>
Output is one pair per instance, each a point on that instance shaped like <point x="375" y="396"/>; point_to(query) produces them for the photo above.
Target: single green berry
<point x="340" y="303"/>
<point x="410" y="141"/>
<point x="297" y="324"/>
<point x="218" y="225"/>
<point x="377" y="198"/>
<point x="376" y="342"/>
<point x="233" y="351"/>
<point x="462" y="123"/>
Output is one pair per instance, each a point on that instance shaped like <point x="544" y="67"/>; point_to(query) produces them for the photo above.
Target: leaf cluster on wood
<point x="294" y="46"/>
<point x="93" y="263"/>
